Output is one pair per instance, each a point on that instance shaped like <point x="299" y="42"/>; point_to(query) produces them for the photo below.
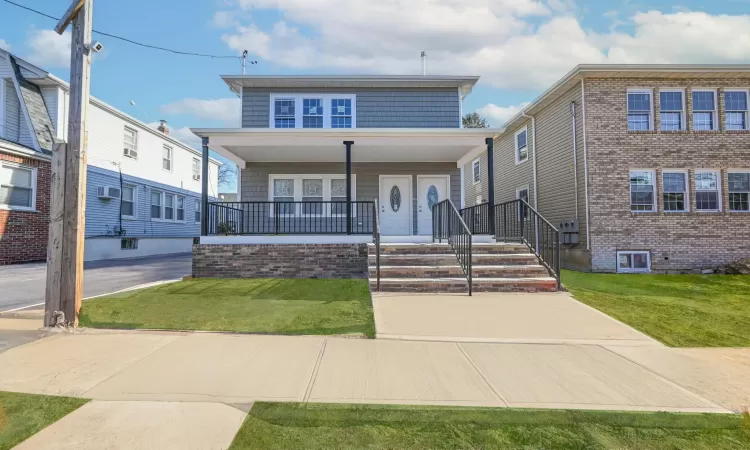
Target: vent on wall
<point x="108" y="192"/>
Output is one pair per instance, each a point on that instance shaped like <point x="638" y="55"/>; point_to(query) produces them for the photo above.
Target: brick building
<point x="649" y="166"/>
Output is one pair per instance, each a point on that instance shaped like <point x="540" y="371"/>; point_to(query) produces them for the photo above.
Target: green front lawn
<point x="679" y="310"/>
<point x="23" y="415"/>
<point x="277" y="306"/>
<point x="318" y="426"/>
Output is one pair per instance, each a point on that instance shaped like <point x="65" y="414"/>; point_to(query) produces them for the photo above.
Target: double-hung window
<point x="736" y="110"/>
<point x="197" y="218"/>
<point x="17" y="187"/>
<point x="338" y="194"/>
<point x="639" y="110"/>
<point x="283" y="191"/>
<point x="522" y="148"/>
<point x="130" y="143"/>
<point x="739" y="191"/>
<point x="128" y="202"/>
<point x="672" y="109"/>
<point x="707" y="190"/>
<point x="313" y="111"/>
<point x="675" y="196"/>
<point x="168" y="207"/>
<point x="704" y="110"/>
<point x="312" y="191"/>
<point x="476" y="171"/>
<point x="196" y="169"/>
<point x="642" y="191"/>
<point x="309" y="195"/>
<point x="156" y="204"/>
<point x="166" y="158"/>
<point x="180" y="209"/>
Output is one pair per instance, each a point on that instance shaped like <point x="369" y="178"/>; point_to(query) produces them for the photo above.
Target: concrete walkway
<point x="225" y="368"/>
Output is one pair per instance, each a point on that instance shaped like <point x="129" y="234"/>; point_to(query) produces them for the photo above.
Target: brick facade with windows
<point x="675" y="240"/>
<point x="23" y="234"/>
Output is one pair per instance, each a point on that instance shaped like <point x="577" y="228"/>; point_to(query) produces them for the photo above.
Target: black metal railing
<point x="477" y="218"/>
<point x="304" y="217"/>
<point x="517" y="221"/>
<point x="448" y="224"/>
<point x="376" y="238"/>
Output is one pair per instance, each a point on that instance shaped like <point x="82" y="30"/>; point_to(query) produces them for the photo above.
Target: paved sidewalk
<point x="209" y="367"/>
<point x="552" y="318"/>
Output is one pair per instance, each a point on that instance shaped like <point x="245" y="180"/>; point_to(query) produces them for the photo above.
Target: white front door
<point x="430" y="191"/>
<point x="395" y="205"/>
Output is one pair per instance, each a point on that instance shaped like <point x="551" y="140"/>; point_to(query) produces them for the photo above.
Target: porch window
<point x="309" y="188"/>
<point x="338" y="194"/>
<point x="283" y="191"/>
<point x="313" y="111"/>
<point x="312" y="191"/>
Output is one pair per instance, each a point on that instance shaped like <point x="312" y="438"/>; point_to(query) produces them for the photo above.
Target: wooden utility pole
<point x="68" y="205"/>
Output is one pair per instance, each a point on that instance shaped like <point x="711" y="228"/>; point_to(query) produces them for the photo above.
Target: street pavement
<point x="23" y="285"/>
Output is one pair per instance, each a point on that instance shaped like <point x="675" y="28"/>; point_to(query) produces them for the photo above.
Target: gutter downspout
<point x="533" y="169"/>
<point x="575" y="153"/>
<point x="585" y="163"/>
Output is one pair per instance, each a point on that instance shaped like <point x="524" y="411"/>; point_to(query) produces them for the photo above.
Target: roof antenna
<point x="424" y="63"/>
<point x="244" y="57"/>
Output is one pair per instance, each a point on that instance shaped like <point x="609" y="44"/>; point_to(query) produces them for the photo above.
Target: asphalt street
<point x="23" y="285"/>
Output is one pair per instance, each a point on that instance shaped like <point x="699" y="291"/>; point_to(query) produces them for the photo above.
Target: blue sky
<point x="519" y="47"/>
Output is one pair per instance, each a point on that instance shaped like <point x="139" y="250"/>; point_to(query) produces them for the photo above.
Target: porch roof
<point x="326" y="145"/>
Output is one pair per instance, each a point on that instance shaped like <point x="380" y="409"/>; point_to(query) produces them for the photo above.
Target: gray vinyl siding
<point x="254" y="184"/>
<point x="13" y="117"/>
<point x="555" y="168"/>
<point x="510" y="176"/>
<point x="471" y="190"/>
<point x="375" y="107"/>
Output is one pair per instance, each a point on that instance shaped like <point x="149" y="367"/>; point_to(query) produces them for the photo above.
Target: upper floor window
<point x="639" y="110"/>
<point x="672" y="109"/>
<point x="313" y="111"/>
<point x="642" y="191"/>
<point x="476" y="169"/>
<point x="735" y="105"/>
<point x="707" y="190"/>
<point x="196" y="169"/>
<point x="739" y="191"/>
<point x="17" y="187"/>
<point x="522" y="149"/>
<point x="704" y="110"/>
<point x="130" y="143"/>
<point x="166" y="158"/>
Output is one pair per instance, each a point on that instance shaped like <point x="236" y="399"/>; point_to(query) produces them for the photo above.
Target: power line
<point x="178" y="52"/>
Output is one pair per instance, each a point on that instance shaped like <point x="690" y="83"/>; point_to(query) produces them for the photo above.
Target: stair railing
<point x="376" y="238"/>
<point x="448" y="224"/>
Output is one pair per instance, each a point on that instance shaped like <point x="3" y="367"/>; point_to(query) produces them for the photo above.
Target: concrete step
<point x="444" y="248"/>
<point x="459" y="285"/>
<point x="455" y="271"/>
<point x="449" y="259"/>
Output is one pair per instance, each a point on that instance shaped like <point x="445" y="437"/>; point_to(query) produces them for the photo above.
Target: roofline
<point x="23" y="151"/>
<point x="583" y="70"/>
<point x="348" y="132"/>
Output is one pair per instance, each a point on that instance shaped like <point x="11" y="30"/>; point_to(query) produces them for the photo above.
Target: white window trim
<point x="163" y="196"/>
<point x="33" y="187"/>
<point x="715" y="120"/>
<point x="196" y="209"/>
<point x="477" y="163"/>
<point x="683" y="122"/>
<point x="298" y="110"/>
<point x="479" y="201"/>
<point x="194" y="166"/>
<point x="523" y="188"/>
<point x="655" y="204"/>
<point x="515" y="144"/>
<point x="719" y="181"/>
<point x="650" y="93"/>
<point x="171" y="158"/>
<point x="687" y="189"/>
<point x="151" y="205"/>
<point x="298" y="191"/>
<point x="729" y="205"/>
<point x="184" y="208"/>
<point x="634" y="252"/>
<point x="135" y="201"/>
<point x="747" y="112"/>
<point x="135" y="140"/>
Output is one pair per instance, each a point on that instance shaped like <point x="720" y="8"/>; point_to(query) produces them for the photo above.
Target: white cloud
<point x="518" y="44"/>
<point x="49" y="49"/>
<point x="498" y="115"/>
<point x="224" y="109"/>
<point x="224" y="19"/>
<point x="181" y="134"/>
<point x="5" y="45"/>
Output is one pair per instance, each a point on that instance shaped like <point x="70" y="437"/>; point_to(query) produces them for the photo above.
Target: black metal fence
<point x="448" y="224"/>
<point x="477" y="218"/>
<point x="305" y="217"/>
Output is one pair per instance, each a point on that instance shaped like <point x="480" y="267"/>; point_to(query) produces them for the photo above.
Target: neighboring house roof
<point x="42" y="127"/>
<point x="15" y="148"/>
<point x="237" y="82"/>
<point x="627" y="71"/>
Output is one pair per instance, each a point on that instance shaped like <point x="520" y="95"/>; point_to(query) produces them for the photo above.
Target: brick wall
<point x="23" y="234"/>
<point x="676" y="241"/>
<point x="280" y="261"/>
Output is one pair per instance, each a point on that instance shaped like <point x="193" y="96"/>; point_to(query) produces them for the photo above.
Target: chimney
<point x="163" y="127"/>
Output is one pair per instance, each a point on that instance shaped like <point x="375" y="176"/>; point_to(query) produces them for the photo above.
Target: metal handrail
<point x="477" y="218"/>
<point x="448" y="224"/>
<point x="376" y="236"/>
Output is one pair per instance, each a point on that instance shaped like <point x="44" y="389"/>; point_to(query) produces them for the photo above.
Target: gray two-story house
<point x="330" y="164"/>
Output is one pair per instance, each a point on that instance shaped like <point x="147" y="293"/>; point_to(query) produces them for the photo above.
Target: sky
<point x="518" y="47"/>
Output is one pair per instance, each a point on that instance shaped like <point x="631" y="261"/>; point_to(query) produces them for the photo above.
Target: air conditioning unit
<point x="108" y="192"/>
<point x="196" y="177"/>
<point x="130" y="153"/>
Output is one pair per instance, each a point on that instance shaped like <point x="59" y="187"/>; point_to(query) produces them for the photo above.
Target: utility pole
<point x="68" y="205"/>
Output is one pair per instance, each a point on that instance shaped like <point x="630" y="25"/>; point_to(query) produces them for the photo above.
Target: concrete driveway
<point x="23" y="285"/>
<point x="544" y="318"/>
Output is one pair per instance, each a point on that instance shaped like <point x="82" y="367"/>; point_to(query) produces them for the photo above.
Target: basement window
<point x="129" y="244"/>
<point x="633" y="261"/>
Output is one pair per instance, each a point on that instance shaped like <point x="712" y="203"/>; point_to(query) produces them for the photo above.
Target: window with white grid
<point x="341" y="113"/>
<point x="17" y="186"/>
<point x="522" y="147"/>
<point x="313" y="110"/>
<point x="284" y="113"/>
<point x="674" y="190"/>
<point x="130" y="143"/>
<point x="312" y="113"/>
<point x="672" y="109"/>
<point x="704" y="110"/>
<point x="736" y="110"/>
<point x="642" y="191"/>
<point x="739" y="191"/>
<point x="707" y="190"/>
<point x="166" y="158"/>
<point x="476" y="169"/>
<point x="639" y="110"/>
